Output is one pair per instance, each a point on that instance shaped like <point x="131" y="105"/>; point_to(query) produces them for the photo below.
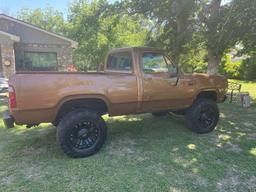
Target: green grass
<point x="142" y="153"/>
<point x="247" y="86"/>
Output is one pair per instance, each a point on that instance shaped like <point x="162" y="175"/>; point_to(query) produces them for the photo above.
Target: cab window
<point x="154" y="63"/>
<point x="121" y="61"/>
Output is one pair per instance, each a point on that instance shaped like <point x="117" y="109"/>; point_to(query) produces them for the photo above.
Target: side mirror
<point x="101" y="67"/>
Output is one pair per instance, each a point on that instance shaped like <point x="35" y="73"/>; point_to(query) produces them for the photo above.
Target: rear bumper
<point x="8" y="120"/>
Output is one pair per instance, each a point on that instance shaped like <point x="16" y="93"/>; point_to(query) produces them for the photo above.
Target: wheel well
<point x="96" y="105"/>
<point x="212" y="95"/>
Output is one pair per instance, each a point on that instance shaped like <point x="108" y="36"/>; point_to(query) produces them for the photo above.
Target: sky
<point x="11" y="7"/>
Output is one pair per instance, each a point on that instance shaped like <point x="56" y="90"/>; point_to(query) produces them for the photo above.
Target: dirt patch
<point x="248" y="124"/>
<point x="251" y="136"/>
<point x="197" y="178"/>
<point x="236" y="181"/>
<point x="233" y="148"/>
<point x="32" y="173"/>
<point x="174" y="189"/>
<point x="185" y="162"/>
<point x="122" y="147"/>
<point x="219" y="139"/>
<point x="226" y="141"/>
<point x="31" y="151"/>
<point x="158" y="169"/>
<point x="7" y="180"/>
<point x="141" y="188"/>
<point x="120" y="151"/>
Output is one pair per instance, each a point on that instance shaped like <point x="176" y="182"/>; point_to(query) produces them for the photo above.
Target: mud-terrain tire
<point x="203" y="116"/>
<point x="81" y="133"/>
<point x="159" y="114"/>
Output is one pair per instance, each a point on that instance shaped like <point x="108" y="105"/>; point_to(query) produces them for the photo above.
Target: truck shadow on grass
<point x="160" y="148"/>
<point x="143" y="128"/>
<point x="147" y="133"/>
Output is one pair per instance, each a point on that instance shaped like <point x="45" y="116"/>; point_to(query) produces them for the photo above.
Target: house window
<point x="40" y="61"/>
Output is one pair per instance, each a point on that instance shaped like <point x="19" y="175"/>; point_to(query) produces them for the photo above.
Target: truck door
<point x="162" y="88"/>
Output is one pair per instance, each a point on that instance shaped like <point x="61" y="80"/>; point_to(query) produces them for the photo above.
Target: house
<point x="26" y="47"/>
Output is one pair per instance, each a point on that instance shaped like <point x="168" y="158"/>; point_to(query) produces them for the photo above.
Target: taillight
<point x="12" y="97"/>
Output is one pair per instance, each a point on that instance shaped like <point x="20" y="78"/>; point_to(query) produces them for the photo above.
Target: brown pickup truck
<point x="133" y="80"/>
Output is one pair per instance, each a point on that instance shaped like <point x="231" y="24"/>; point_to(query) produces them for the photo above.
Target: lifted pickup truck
<point x="133" y="80"/>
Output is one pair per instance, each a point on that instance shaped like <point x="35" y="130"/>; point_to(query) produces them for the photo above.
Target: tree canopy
<point x="198" y="34"/>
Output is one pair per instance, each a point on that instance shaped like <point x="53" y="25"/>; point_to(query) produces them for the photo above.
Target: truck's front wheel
<point x="81" y="133"/>
<point x="202" y="116"/>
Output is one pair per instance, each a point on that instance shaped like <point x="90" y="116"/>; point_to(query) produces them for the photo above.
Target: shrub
<point x="248" y="69"/>
<point x="230" y="68"/>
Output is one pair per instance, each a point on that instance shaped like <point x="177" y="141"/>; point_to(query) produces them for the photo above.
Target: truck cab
<point x="161" y="85"/>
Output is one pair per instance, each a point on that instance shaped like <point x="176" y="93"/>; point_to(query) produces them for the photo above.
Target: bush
<point x="240" y="69"/>
<point x="229" y="68"/>
<point x="248" y="69"/>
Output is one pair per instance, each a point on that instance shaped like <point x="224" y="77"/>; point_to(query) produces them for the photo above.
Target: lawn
<point x="142" y="153"/>
<point x="247" y="86"/>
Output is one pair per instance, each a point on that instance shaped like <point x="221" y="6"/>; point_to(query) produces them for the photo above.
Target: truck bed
<point x="40" y="93"/>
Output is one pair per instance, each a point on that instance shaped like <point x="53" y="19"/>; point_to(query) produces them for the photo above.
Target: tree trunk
<point x="213" y="62"/>
<point x="213" y="59"/>
<point x="176" y="60"/>
<point x="177" y="9"/>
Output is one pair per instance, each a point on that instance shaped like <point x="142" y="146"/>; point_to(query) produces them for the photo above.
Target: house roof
<point x="11" y="36"/>
<point x="73" y="43"/>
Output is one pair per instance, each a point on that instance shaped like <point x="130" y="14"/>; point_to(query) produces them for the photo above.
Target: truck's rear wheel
<point x="202" y="116"/>
<point x="81" y="133"/>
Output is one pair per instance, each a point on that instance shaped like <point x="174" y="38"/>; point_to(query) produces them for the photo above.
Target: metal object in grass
<point x="234" y="90"/>
<point x="245" y="99"/>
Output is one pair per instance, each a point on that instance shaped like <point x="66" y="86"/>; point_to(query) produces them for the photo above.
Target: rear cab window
<point x="120" y="62"/>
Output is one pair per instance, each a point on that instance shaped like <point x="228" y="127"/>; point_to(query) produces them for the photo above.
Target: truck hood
<point x="205" y="80"/>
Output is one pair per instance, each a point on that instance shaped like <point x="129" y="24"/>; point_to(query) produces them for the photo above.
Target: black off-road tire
<point x="203" y="116"/>
<point x="58" y="119"/>
<point x="75" y="127"/>
<point x="159" y="114"/>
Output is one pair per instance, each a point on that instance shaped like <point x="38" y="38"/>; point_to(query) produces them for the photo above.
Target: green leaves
<point x="188" y="30"/>
<point x="98" y="30"/>
<point x="172" y="28"/>
<point x="48" y="19"/>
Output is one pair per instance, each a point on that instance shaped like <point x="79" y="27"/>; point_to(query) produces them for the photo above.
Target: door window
<point x="153" y="63"/>
<point x="157" y="63"/>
